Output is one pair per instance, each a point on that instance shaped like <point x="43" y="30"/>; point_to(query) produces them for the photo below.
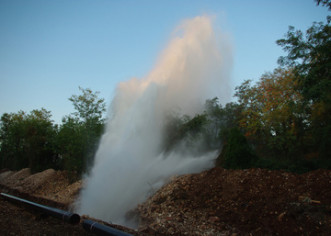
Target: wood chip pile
<point x="239" y="202"/>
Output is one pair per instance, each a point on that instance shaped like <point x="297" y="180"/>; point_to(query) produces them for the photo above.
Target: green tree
<point x="27" y="140"/>
<point x="310" y="56"/>
<point x="89" y="108"/>
<point x="12" y="141"/>
<point x="236" y="153"/>
<point x="80" y="132"/>
<point x="184" y="131"/>
<point x="203" y="132"/>
<point x="326" y="3"/>
<point x="220" y="120"/>
<point x="272" y="114"/>
<point x="70" y="145"/>
<point x="40" y="137"/>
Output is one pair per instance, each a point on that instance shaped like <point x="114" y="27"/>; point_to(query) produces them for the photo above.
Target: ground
<point x="256" y="201"/>
<point x="214" y="202"/>
<point x="16" y="220"/>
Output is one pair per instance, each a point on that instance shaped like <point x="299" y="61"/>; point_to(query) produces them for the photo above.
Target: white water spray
<point x="130" y="161"/>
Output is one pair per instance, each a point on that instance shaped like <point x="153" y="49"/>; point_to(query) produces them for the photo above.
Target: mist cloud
<point x="130" y="160"/>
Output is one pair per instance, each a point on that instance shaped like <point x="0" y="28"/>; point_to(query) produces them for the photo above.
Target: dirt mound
<point x="51" y="188"/>
<point x="14" y="179"/>
<point x="214" y="202"/>
<point x="35" y="181"/>
<point x="225" y="202"/>
<point x="48" y="184"/>
<point x="5" y="174"/>
<point x="66" y="195"/>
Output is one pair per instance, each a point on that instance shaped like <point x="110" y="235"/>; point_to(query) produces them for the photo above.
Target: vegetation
<point x="280" y="122"/>
<point x="32" y="140"/>
<point x="283" y="121"/>
<point x="236" y="153"/>
<point x="28" y="140"/>
<point x="79" y="133"/>
<point x="286" y="116"/>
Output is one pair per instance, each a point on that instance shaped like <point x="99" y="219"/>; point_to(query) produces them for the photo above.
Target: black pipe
<point x="100" y="229"/>
<point x="66" y="216"/>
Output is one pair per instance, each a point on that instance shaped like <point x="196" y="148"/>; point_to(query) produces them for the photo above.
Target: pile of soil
<point x="48" y="184"/>
<point x="241" y="202"/>
<point x="50" y="188"/>
<point x="214" y="202"/>
<point x="14" y="179"/>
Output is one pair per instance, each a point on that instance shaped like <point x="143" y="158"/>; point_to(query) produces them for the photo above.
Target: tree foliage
<point x="326" y="3"/>
<point x="281" y="121"/>
<point x="89" y="108"/>
<point x="80" y="133"/>
<point x="27" y="140"/>
<point x="272" y="113"/>
<point x="236" y="153"/>
<point x="203" y="132"/>
<point x="32" y="140"/>
<point x="310" y="56"/>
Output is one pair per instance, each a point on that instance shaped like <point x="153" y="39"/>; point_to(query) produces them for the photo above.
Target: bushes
<point x="32" y="140"/>
<point x="297" y="166"/>
<point x="236" y="153"/>
<point x="27" y="140"/>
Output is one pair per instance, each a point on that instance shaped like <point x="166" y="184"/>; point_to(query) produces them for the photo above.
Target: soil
<point x="16" y="220"/>
<point x="241" y="202"/>
<point x="214" y="202"/>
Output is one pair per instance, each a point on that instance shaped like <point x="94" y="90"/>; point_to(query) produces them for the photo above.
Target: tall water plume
<point x="130" y="161"/>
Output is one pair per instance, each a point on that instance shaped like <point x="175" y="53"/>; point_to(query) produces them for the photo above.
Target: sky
<point x="50" y="48"/>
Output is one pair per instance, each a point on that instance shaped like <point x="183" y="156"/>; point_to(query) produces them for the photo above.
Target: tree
<point x="272" y="115"/>
<point x="27" y="140"/>
<point x="203" y="132"/>
<point x="70" y="145"/>
<point x="89" y="108"/>
<point x="80" y="133"/>
<point x="185" y="131"/>
<point x="310" y="56"/>
<point x="40" y="137"/>
<point x="236" y="153"/>
<point x="12" y="141"/>
<point x="220" y="120"/>
<point x="326" y="3"/>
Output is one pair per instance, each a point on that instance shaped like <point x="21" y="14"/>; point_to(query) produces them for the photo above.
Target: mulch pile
<point x="214" y="202"/>
<point x="241" y="202"/>
<point x="48" y="184"/>
<point x="50" y="188"/>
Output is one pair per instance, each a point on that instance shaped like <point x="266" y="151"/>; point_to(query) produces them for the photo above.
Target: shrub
<point x="236" y="153"/>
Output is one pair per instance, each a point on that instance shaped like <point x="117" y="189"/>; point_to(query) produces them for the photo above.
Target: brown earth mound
<point x="14" y="179"/>
<point x="49" y="184"/>
<point x="241" y="202"/>
<point x="214" y="202"/>
<point x="31" y="183"/>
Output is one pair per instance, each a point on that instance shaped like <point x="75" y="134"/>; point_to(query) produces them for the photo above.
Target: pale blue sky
<point x="49" y="48"/>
